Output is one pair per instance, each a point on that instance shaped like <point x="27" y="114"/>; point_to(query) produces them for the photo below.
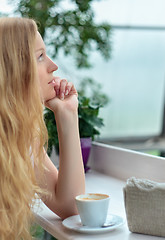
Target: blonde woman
<point x="26" y="85"/>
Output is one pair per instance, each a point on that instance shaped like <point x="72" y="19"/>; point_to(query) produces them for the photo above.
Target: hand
<point x="66" y="97"/>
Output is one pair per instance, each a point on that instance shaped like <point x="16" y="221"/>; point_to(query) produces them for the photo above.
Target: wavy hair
<point x="22" y="127"/>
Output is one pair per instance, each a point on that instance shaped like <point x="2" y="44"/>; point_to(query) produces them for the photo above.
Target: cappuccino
<point x="93" y="208"/>
<point x="93" y="196"/>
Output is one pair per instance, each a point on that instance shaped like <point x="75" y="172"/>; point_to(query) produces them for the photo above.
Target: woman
<point x="26" y="84"/>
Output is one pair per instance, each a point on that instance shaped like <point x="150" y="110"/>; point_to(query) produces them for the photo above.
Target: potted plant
<point x="89" y="121"/>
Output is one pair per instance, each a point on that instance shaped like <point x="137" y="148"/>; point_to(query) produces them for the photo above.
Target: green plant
<point x="37" y="231"/>
<point x="73" y="30"/>
<point x="89" y="122"/>
<point x="91" y="99"/>
<point x="75" y="33"/>
<point x="52" y="131"/>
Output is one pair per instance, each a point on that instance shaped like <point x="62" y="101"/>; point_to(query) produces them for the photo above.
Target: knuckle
<point x="63" y="80"/>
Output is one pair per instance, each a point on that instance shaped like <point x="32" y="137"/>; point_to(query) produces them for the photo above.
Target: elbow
<point x="64" y="209"/>
<point x="66" y="215"/>
<point x="65" y="212"/>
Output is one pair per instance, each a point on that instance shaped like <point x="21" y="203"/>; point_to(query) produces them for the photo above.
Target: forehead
<point x="39" y="42"/>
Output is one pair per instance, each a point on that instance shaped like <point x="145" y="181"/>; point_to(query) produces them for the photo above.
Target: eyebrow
<point x="40" y="49"/>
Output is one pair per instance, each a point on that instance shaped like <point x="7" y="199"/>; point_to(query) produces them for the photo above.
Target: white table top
<point x="95" y="182"/>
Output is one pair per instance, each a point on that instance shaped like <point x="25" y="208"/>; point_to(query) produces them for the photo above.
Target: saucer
<point x="74" y="223"/>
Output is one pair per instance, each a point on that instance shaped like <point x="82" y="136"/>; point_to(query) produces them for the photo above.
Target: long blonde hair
<point x="21" y="126"/>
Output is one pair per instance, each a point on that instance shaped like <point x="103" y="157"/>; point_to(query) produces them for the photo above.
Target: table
<point x="104" y="183"/>
<point x="95" y="182"/>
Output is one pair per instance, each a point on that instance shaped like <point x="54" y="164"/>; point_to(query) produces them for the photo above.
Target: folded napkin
<point x="145" y="206"/>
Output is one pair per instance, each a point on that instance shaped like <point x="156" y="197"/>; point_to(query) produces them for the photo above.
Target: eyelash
<point x="40" y="58"/>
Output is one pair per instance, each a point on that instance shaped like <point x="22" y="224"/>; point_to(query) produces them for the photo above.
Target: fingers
<point x="70" y="89"/>
<point x="64" y="88"/>
<point x="63" y="84"/>
<point x="57" y="85"/>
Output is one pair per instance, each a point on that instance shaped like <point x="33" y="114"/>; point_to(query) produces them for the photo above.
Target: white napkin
<point x="145" y="206"/>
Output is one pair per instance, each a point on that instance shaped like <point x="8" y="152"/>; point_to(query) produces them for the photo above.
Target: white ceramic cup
<point x="93" y="208"/>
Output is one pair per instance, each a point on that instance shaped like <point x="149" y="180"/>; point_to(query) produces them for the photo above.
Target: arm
<point x="69" y="181"/>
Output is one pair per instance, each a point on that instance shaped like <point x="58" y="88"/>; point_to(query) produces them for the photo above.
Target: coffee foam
<point x="92" y="197"/>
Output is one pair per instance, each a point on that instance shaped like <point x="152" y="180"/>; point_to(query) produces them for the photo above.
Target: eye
<point x="41" y="57"/>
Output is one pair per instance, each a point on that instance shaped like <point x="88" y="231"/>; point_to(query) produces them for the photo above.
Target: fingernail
<point x="62" y="96"/>
<point x="66" y="93"/>
<point x="57" y="92"/>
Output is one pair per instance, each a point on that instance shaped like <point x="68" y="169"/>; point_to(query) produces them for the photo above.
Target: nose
<point x="51" y="66"/>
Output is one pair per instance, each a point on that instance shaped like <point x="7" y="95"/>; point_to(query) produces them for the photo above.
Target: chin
<point x="49" y="97"/>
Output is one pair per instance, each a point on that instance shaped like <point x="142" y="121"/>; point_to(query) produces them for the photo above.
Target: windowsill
<point x="110" y="167"/>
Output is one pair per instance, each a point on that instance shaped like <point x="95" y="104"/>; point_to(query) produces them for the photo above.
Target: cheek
<point x="41" y="84"/>
<point x="47" y="91"/>
<point x="41" y="79"/>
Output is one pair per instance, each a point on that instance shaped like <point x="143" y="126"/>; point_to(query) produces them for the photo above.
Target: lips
<point x="52" y="81"/>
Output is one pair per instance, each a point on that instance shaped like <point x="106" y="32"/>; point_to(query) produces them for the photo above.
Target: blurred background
<point x="132" y="76"/>
<point x="113" y="50"/>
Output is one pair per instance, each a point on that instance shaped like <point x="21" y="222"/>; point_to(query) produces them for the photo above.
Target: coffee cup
<point x="93" y="208"/>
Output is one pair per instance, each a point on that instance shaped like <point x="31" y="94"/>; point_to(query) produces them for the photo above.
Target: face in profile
<point x="45" y="67"/>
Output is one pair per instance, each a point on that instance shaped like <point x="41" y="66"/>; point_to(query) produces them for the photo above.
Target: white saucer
<point x="74" y="223"/>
